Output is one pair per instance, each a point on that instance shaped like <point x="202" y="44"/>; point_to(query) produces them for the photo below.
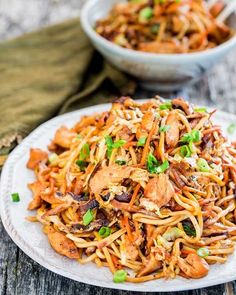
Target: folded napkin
<point x="49" y="72"/>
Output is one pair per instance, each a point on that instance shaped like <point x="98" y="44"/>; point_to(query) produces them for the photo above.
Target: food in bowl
<point x="164" y="26"/>
<point x="145" y="188"/>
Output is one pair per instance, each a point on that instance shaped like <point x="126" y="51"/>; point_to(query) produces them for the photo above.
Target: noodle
<point x="164" y="27"/>
<point x="139" y="188"/>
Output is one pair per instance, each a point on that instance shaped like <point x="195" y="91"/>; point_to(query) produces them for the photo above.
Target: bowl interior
<point x="100" y="8"/>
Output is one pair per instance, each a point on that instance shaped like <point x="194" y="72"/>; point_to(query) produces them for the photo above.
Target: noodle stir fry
<point x="145" y="188"/>
<point x="164" y="26"/>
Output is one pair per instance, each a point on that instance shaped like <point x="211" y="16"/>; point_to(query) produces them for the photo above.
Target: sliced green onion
<point x="166" y="106"/>
<point x="231" y="128"/>
<point x="82" y="164"/>
<point x="186" y="138"/>
<point x="200" y="110"/>
<point x="141" y="141"/>
<point x="52" y="158"/>
<point x="79" y="136"/>
<point x="145" y="14"/>
<point x="109" y="144"/>
<point x="164" y="128"/>
<point x="120" y="162"/>
<point x="203" y="166"/>
<point x="120" y="276"/>
<point x="185" y="151"/>
<point x="196" y="135"/>
<point x="203" y="252"/>
<point x="119" y="143"/>
<point x="85" y="151"/>
<point x="154" y="166"/>
<point x="152" y="163"/>
<point x="113" y="145"/>
<point x="15" y="197"/>
<point x="189" y="228"/>
<point x="104" y="231"/>
<point x="88" y="217"/>
<point x="163" y="167"/>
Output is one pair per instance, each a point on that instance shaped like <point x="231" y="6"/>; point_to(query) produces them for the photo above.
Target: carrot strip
<point x="135" y="193"/>
<point x="127" y="227"/>
<point x="147" y="144"/>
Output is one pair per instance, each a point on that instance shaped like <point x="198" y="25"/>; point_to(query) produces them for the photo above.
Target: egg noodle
<point x="146" y="189"/>
<point x="167" y="26"/>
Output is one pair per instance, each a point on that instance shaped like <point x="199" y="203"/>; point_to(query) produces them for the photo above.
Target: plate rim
<point x="29" y="251"/>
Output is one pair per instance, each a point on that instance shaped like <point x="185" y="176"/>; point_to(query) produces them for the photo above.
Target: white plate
<point x="29" y="237"/>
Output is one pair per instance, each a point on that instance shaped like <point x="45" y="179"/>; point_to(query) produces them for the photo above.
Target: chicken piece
<point x="36" y="156"/>
<point x="111" y="175"/>
<point x="159" y="191"/>
<point x="130" y="249"/>
<point x="36" y="189"/>
<point x="217" y="8"/>
<point x="172" y="135"/>
<point x="196" y="41"/>
<point x="184" y="105"/>
<point x="62" y="245"/>
<point x="125" y="133"/>
<point x="193" y="266"/>
<point x="146" y="125"/>
<point x="163" y="47"/>
<point x="149" y="267"/>
<point x="64" y="137"/>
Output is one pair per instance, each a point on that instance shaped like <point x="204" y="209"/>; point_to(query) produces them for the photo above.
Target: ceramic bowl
<point x="155" y="71"/>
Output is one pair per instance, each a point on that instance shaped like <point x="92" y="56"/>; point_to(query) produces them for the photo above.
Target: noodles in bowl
<point x="164" y="26"/>
<point x="147" y="187"/>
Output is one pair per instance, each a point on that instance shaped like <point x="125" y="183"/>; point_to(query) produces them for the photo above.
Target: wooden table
<point x="21" y="275"/>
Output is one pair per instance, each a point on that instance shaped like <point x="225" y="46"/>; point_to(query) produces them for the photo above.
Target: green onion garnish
<point x="231" y="128"/>
<point x="120" y="276"/>
<point x="88" y="217"/>
<point x="113" y="145"/>
<point x="141" y="141"/>
<point x="120" y="162"/>
<point x="202" y="165"/>
<point x="85" y="151"/>
<point x="15" y="197"/>
<point x="189" y="228"/>
<point x="164" y="128"/>
<point x="163" y="167"/>
<point x="203" y="252"/>
<point x="166" y="106"/>
<point x="104" y="231"/>
<point x="200" y="110"/>
<point x="82" y="164"/>
<point x="119" y="143"/>
<point x="194" y="136"/>
<point x="145" y="14"/>
<point x="154" y="166"/>
<point x="185" y="151"/>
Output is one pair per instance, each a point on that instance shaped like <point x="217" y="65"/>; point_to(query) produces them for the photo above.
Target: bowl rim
<point x="147" y="56"/>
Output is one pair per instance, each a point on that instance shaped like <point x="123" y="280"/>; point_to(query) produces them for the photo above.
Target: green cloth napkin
<point x="49" y="72"/>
